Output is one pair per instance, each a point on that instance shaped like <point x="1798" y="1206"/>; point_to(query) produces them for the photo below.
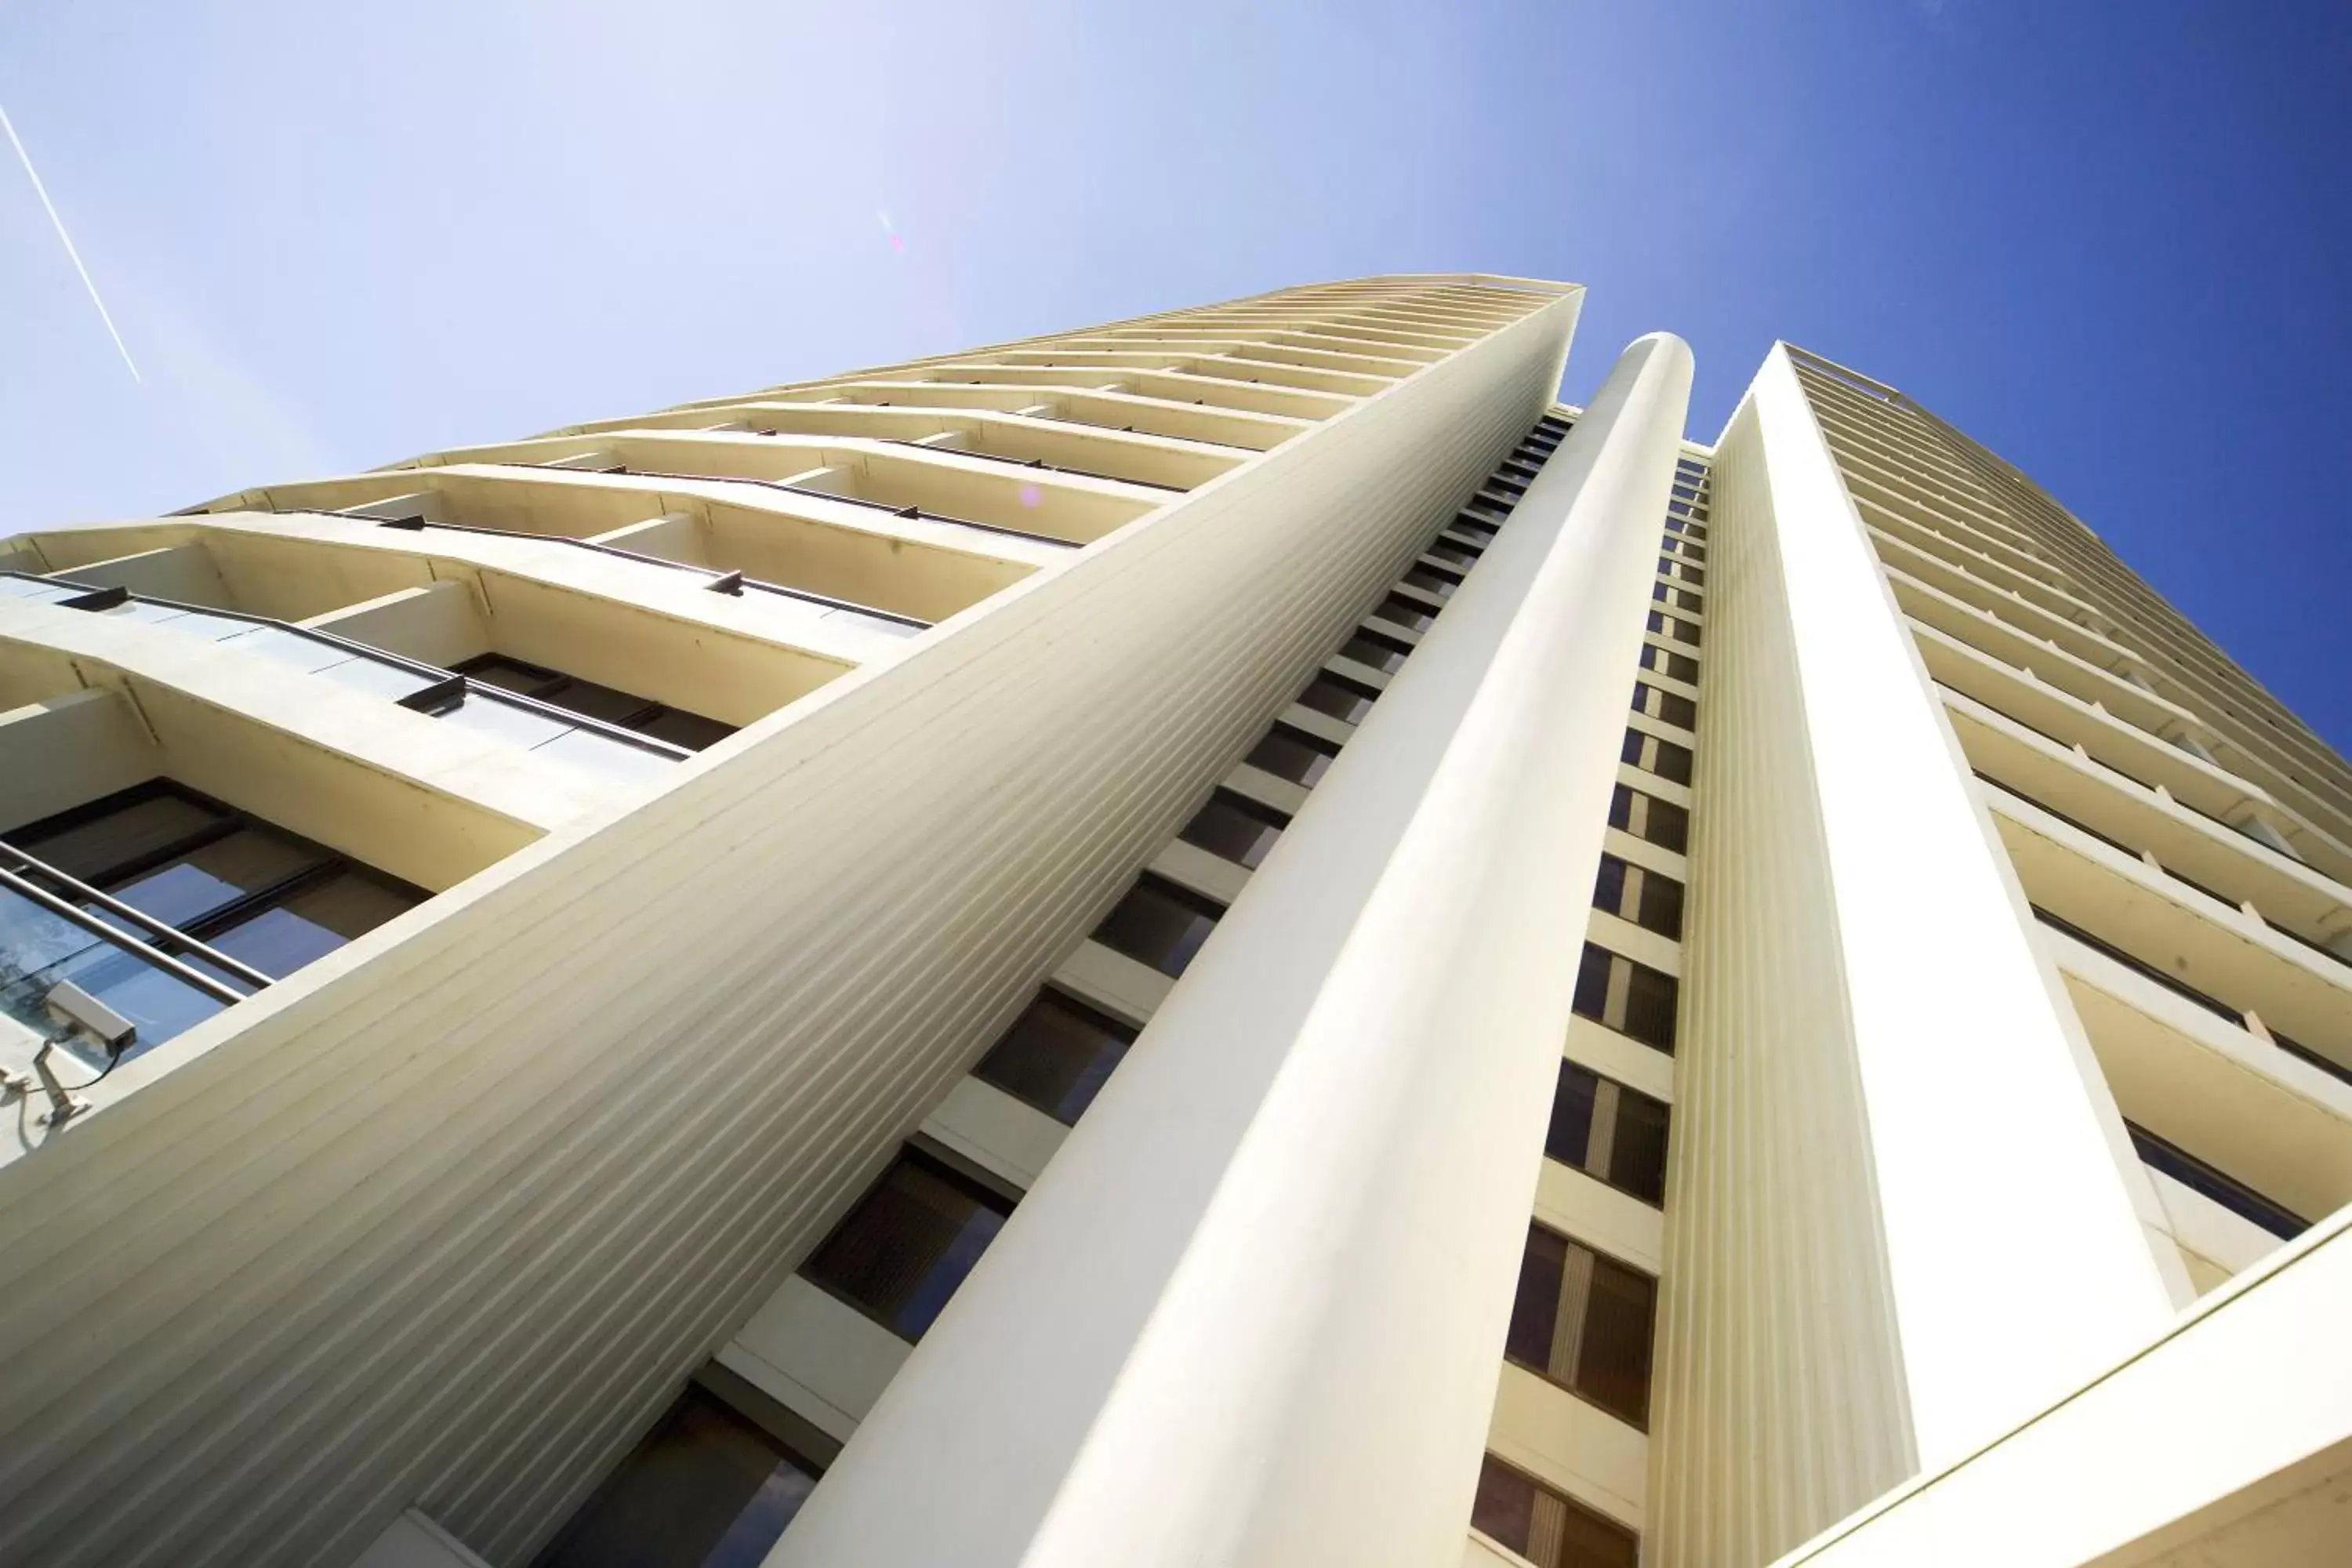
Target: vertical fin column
<point x="1250" y="1312"/>
<point x="1894" y="1222"/>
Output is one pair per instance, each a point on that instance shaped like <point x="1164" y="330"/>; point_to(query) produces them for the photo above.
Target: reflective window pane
<point x="909" y="1242"/>
<point x="1056" y="1055"/>
<point x="706" y="1489"/>
<point x="1159" y="923"/>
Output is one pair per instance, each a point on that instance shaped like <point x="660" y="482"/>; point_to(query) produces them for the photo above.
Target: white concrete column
<point x="1898" y="1212"/>
<point x="1252" y="1312"/>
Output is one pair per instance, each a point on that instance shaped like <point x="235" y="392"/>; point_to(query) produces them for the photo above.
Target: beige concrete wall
<point x="447" y="1218"/>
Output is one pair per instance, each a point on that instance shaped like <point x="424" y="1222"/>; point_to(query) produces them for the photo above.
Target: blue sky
<point x="2111" y="242"/>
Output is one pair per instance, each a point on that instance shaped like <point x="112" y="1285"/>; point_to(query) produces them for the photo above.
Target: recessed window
<point x="1649" y="899"/>
<point x="1429" y="579"/>
<point x="1674" y="627"/>
<point x="1384" y="654"/>
<point x="706" y="1489"/>
<point x="1584" y="1322"/>
<point x="1475" y="528"/>
<point x="1341" y="697"/>
<point x="902" y="1251"/>
<point x="1666" y="662"/>
<point x="1547" y="1529"/>
<point x="1609" y="1132"/>
<point x="640" y="714"/>
<point x="213" y="875"/>
<point x="1661" y="823"/>
<point x="1660" y="703"/>
<point x="1629" y="998"/>
<point x="1056" y="1055"/>
<point x="1293" y="754"/>
<point x="1403" y="611"/>
<point x="1461" y="557"/>
<point x="1236" y="827"/>
<point x="1663" y="757"/>
<point x="1159" y="923"/>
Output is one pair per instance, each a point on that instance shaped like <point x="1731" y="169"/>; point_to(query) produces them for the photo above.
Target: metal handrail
<point x="122" y="941"/>
<point x="138" y="916"/>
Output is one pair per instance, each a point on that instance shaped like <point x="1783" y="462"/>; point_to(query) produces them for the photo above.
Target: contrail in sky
<point x="59" y="224"/>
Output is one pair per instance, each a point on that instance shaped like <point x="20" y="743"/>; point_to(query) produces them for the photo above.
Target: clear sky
<point x="2111" y="241"/>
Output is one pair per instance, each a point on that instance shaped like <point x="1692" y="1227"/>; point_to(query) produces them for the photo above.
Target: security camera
<point x="86" y="1011"/>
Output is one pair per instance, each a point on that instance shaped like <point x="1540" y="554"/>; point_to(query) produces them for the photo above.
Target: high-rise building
<point x="1228" y="939"/>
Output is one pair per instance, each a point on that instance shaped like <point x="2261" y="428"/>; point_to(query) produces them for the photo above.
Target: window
<point x="706" y="1489"/>
<point x="1663" y="757"/>
<point x="1403" y="611"/>
<point x="1545" y="1528"/>
<point x="1159" y="923"/>
<point x="1236" y="827"/>
<point x="1429" y="579"/>
<point x="1674" y="627"/>
<point x="643" y="715"/>
<point x="1629" y="998"/>
<point x="1293" y="754"/>
<point x="1659" y="822"/>
<point x="1445" y="551"/>
<point x="1674" y="666"/>
<point x="1584" y="1321"/>
<point x="1636" y="893"/>
<point x="902" y="1251"/>
<point x="1056" y="1055"/>
<point x="2224" y="1189"/>
<point x="1339" y="696"/>
<point x="1384" y="654"/>
<point x="1475" y="528"/>
<point x="1660" y="703"/>
<point x="215" y="875"/>
<point x="1609" y="1132"/>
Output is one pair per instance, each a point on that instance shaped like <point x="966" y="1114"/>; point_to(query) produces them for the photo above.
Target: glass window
<point x="1429" y="579"/>
<point x="1630" y="997"/>
<point x="1660" y="822"/>
<point x="1547" y="1529"/>
<point x="1293" y="754"/>
<point x="38" y="948"/>
<point x="211" y="877"/>
<point x="1404" y="613"/>
<point x="1663" y="757"/>
<point x="1609" y="1132"/>
<point x="313" y="921"/>
<point x="1445" y="551"/>
<point x="123" y="834"/>
<point x="1636" y="893"/>
<point x="902" y="1251"/>
<point x="1236" y="827"/>
<point x="1382" y="653"/>
<point x="1056" y="1055"/>
<point x="1660" y="703"/>
<point x="1666" y="662"/>
<point x="1584" y="1321"/>
<point x="706" y="1489"/>
<point x="260" y="895"/>
<point x="1159" y="923"/>
<point x="1339" y="696"/>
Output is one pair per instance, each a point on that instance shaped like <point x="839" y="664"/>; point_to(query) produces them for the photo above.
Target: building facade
<point x="1076" y="954"/>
